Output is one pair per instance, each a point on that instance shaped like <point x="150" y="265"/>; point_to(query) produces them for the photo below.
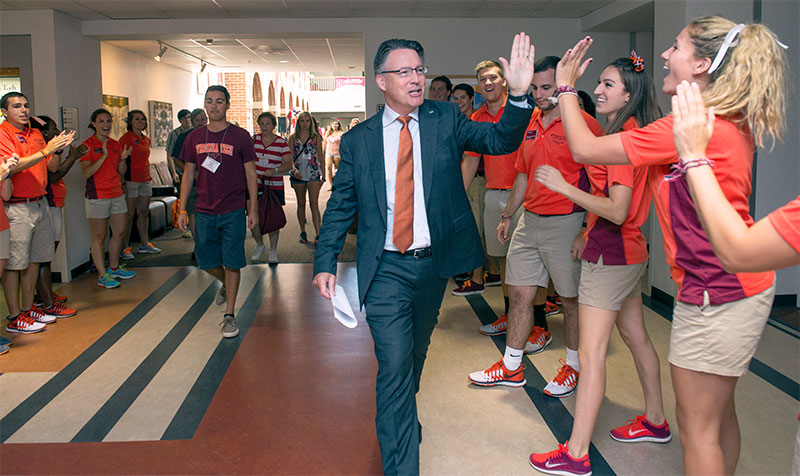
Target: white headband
<point x="731" y="39"/>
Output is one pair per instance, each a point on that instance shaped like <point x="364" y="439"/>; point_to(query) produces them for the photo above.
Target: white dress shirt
<point x="391" y="145"/>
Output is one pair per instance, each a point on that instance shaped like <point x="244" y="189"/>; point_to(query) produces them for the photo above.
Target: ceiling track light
<point x="160" y="52"/>
<point x="163" y="49"/>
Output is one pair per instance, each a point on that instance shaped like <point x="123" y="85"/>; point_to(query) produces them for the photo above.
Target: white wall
<point x="143" y="79"/>
<point x="66" y="67"/>
<point x="778" y="174"/>
<point x="15" y="52"/>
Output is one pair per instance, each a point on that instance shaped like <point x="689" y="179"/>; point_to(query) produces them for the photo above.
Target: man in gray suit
<point x="400" y="170"/>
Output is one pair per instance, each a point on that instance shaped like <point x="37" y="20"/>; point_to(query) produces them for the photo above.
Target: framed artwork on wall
<point x="118" y="107"/>
<point x="160" y="122"/>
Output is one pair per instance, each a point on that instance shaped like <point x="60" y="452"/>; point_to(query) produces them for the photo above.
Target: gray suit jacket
<point x="360" y="185"/>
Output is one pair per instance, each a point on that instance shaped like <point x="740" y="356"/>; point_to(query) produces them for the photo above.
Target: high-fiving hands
<point x="571" y="67"/>
<point x="519" y="65"/>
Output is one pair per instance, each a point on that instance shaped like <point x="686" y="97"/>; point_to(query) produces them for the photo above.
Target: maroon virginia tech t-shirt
<point x="225" y="189"/>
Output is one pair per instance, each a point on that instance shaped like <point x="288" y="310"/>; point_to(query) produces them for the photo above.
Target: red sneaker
<point x="551" y="308"/>
<point x="58" y="311"/>
<point x="640" y="429"/>
<point x="560" y="462"/>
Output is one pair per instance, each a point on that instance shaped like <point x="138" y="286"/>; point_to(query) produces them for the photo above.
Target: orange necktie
<point x="403" y="231"/>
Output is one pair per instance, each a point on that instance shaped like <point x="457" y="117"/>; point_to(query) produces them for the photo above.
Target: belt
<point x="417" y="253"/>
<point x="24" y="199"/>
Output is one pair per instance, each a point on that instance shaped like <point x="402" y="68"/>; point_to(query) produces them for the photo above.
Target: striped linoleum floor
<point x="141" y="382"/>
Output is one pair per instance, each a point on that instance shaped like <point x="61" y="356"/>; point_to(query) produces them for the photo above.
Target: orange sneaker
<point x="498" y="374"/>
<point x="496" y="328"/>
<point x="564" y="383"/>
<point x="538" y="340"/>
<point x="551" y="308"/>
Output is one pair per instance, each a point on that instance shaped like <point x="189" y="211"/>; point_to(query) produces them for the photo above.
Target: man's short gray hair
<point x="396" y="44"/>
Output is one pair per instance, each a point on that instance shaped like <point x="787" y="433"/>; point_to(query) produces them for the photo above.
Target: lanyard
<point x="217" y="157"/>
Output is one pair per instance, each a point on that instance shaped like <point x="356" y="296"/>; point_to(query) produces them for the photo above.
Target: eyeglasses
<point x="406" y="72"/>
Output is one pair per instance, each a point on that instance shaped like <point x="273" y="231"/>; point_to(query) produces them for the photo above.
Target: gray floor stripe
<point x="109" y="414"/>
<point x="17" y="417"/>
<point x="191" y="412"/>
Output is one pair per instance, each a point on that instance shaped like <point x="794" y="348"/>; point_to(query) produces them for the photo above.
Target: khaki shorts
<point x="477" y="194"/>
<point x="4" y="243"/>
<point x="31" y="234"/>
<point x="494" y="206"/>
<point x="605" y="287"/>
<point x="721" y="339"/>
<point x="540" y="250"/>
<point x="57" y="218"/>
<point x="105" y="207"/>
<point x="138" y="189"/>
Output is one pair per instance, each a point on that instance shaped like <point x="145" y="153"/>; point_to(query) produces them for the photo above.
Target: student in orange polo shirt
<point x="56" y="192"/>
<point x="719" y="315"/>
<point x="137" y="184"/>
<point x="545" y="245"/>
<point x="6" y="166"/>
<point x="31" y="233"/>
<point x="103" y="167"/>
<point x="614" y="259"/>
<point x="499" y="177"/>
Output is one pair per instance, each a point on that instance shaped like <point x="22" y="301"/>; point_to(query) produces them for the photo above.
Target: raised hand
<point x="692" y="125"/>
<point x="58" y="142"/>
<point x="550" y="177"/>
<point x="126" y="152"/>
<point x="519" y="65"/>
<point x="570" y="68"/>
<point x="105" y="149"/>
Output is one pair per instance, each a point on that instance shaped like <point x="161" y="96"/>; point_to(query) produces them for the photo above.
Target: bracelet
<point x="517" y="98"/>
<point x="683" y="165"/>
<point x="182" y="212"/>
<point x="565" y="90"/>
<point x="503" y="215"/>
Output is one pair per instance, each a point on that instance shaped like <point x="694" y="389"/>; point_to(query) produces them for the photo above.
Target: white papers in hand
<point x="342" y="310"/>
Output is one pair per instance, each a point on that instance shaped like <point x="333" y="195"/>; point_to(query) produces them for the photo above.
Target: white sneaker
<point x="260" y="249"/>
<point x="273" y="257"/>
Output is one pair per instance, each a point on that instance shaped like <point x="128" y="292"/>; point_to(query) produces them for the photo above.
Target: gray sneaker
<point x="220" y="299"/>
<point x="229" y="326"/>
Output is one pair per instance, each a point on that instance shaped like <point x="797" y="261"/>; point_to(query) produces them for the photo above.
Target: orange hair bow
<point x="638" y="61"/>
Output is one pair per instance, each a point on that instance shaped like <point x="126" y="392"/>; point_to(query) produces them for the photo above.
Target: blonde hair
<point x="486" y="65"/>
<point x="750" y="84"/>
<point x="312" y="130"/>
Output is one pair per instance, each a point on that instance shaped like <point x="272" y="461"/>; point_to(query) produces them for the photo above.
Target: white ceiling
<point x="332" y="54"/>
<point x="315" y="52"/>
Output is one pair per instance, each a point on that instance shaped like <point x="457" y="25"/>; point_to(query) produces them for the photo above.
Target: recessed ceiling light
<point x="283" y="61"/>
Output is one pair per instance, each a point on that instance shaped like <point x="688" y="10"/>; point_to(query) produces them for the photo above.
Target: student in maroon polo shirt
<point x="224" y="158"/>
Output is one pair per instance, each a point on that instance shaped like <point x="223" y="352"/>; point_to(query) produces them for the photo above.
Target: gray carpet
<point x="176" y="251"/>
